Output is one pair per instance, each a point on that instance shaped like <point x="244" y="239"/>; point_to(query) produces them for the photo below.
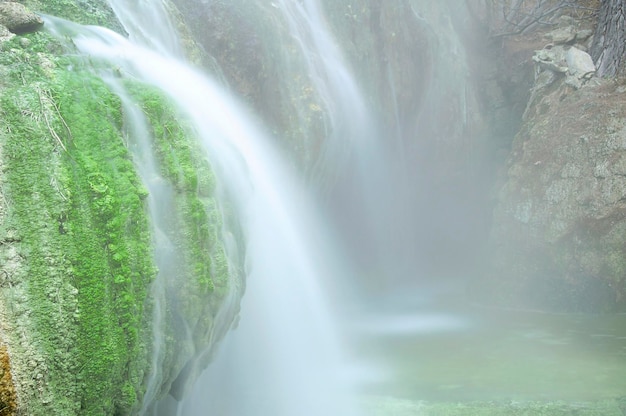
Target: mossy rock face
<point x="86" y="12"/>
<point x="80" y="246"/>
<point x="197" y="286"/>
<point x="76" y="253"/>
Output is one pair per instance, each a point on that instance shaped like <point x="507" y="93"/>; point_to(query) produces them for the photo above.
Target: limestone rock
<point x="551" y="58"/>
<point x="562" y="35"/>
<point x="574" y="82"/>
<point x="557" y="240"/>
<point x="583" y="35"/>
<point x="575" y="63"/>
<point x="18" y="19"/>
<point x="579" y="63"/>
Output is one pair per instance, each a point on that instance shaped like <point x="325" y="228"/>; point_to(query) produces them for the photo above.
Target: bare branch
<point x="521" y="15"/>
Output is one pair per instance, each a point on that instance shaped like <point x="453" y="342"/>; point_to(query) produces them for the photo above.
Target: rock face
<point x="77" y="261"/>
<point x="560" y="217"/>
<point x="5" y="34"/>
<point x="18" y="19"/>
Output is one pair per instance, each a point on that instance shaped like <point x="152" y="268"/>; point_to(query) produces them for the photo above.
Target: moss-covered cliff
<point x="77" y="265"/>
<point x="76" y="238"/>
<point x="78" y="270"/>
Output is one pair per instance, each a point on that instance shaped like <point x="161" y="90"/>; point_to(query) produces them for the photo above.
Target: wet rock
<point x="18" y="19"/>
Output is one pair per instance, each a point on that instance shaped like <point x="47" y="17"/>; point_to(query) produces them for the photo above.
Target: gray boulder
<point x="18" y="19"/>
<point x="579" y="63"/>
<point x="551" y="58"/>
<point x="562" y="35"/>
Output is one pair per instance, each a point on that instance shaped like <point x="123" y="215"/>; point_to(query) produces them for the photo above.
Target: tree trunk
<point x="609" y="44"/>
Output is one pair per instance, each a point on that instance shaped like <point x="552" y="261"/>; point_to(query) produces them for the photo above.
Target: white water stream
<point x="351" y="123"/>
<point x="148" y="23"/>
<point x="367" y="184"/>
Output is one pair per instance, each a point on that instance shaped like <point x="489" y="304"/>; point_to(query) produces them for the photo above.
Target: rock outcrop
<point x="77" y="261"/>
<point x="560" y="219"/>
<point x="559" y="222"/>
<point x="18" y="19"/>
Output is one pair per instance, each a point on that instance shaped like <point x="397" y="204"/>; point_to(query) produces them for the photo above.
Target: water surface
<point x="439" y="352"/>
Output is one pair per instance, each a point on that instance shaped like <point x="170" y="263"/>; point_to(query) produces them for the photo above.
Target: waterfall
<point x="286" y="347"/>
<point x="357" y="164"/>
<point x="381" y="98"/>
<point x="139" y="19"/>
<point x="350" y="122"/>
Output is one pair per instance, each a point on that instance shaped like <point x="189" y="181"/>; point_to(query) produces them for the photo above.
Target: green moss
<point x="77" y="207"/>
<point x="183" y="162"/>
<point x="113" y="267"/>
<point x="86" y="12"/>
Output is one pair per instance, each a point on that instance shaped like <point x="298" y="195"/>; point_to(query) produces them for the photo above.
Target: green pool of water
<point x="477" y="361"/>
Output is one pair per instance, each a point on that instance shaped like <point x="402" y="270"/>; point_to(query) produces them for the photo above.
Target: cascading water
<point x="355" y="153"/>
<point x="285" y="357"/>
<point x="350" y="123"/>
<point x="140" y="17"/>
<point x="287" y="348"/>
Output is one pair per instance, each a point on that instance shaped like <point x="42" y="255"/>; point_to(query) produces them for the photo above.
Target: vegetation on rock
<point x="86" y="12"/>
<point x="79" y="225"/>
<point x="203" y="274"/>
<point x="77" y="244"/>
